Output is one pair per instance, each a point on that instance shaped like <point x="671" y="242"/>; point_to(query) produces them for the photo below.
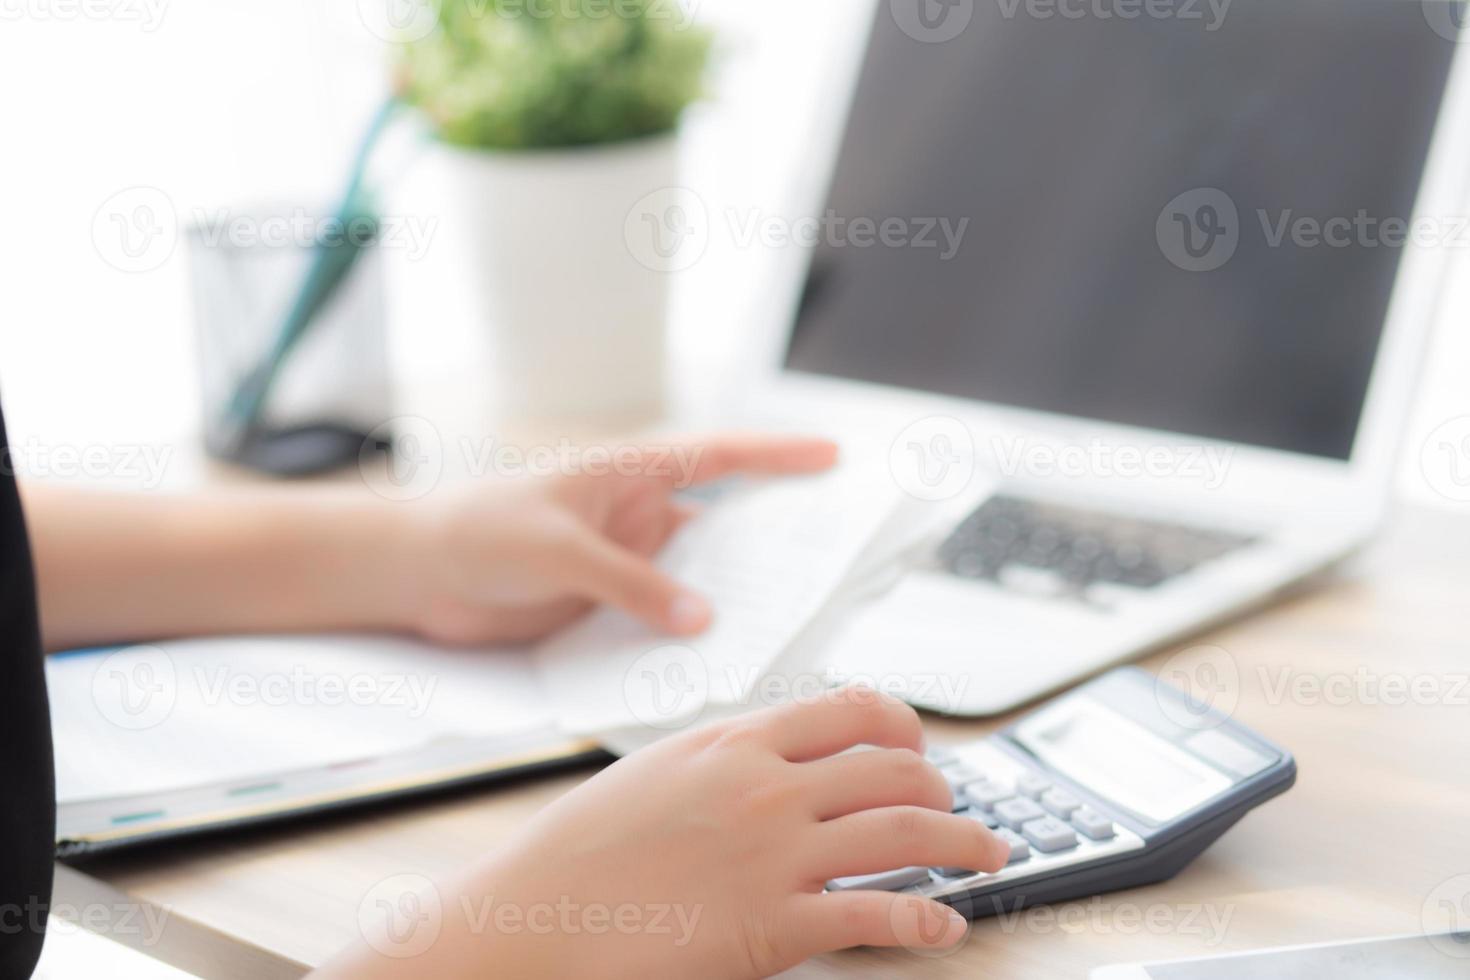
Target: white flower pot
<point x="577" y="320"/>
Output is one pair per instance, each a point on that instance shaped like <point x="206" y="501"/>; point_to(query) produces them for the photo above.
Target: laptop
<point x="1136" y="294"/>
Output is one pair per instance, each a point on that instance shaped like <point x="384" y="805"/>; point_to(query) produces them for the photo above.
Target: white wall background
<point x="234" y="102"/>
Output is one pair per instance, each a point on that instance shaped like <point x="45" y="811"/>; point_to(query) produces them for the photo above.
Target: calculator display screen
<point x="1119" y="759"/>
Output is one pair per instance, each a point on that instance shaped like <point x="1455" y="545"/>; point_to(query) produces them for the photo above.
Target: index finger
<point x="767" y="455"/>
<point x="839" y="720"/>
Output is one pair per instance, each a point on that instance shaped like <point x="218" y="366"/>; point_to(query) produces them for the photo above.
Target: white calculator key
<point x="1020" y="850"/>
<point x="1049" y="834"/>
<point x="984" y="794"/>
<point x="883" y="881"/>
<point x="1016" y="813"/>
<point x="1032" y="785"/>
<point x="1060" y="802"/>
<point x="1093" y="824"/>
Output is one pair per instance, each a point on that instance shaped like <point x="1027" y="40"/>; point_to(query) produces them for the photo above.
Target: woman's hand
<point x="707" y="855"/>
<point x="514" y="561"/>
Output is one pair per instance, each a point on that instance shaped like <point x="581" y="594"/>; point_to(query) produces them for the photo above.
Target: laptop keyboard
<point x="1047" y="547"/>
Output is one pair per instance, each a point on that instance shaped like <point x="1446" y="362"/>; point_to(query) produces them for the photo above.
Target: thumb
<point x="599" y="569"/>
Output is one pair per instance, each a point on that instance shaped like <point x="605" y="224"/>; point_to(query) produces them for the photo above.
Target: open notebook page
<point x="768" y="555"/>
<point x="148" y="719"/>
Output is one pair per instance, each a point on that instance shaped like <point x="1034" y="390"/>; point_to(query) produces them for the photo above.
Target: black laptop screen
<point x="1178" y="214"/>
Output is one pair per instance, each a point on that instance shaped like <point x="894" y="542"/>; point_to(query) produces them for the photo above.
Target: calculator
<point x="1121" y="782"/>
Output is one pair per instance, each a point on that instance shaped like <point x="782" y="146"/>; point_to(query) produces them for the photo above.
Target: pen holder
<point x="246" y="271"/>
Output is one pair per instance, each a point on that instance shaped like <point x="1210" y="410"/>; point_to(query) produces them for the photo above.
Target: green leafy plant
<point x="525" y="74"/>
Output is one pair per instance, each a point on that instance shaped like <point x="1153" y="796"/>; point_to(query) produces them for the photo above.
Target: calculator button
<point x="1020" y="850"/>
<point x="884" y="881"/>
<point x="1093" y="824"/>
<point x="940" y="755"/>
<point x="988" y="819"/>
<point x="1032" y="785"/>
<point x="985" y="794"/>
<point x="959" y="801"/>
<point x="1049" y="834"/>
<point x="959" y="777"/>
<point x="955" y="872"/>
<point x="1060" y="802"/>
<point x="1016" y="813"/>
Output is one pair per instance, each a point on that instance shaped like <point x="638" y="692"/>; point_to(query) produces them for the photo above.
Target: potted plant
<point x="556" y="118"/>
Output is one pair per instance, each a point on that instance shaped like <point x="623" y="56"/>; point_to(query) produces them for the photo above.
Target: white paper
<point x="174" y="715"/>
<point x="767" y="556"/>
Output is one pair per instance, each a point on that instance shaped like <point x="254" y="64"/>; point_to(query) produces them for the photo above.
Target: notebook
<point x="193" y="736"/>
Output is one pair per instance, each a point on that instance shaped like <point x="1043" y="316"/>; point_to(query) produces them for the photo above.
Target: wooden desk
<point x="1377" y="821"/>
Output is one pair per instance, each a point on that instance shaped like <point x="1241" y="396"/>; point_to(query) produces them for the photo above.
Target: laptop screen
<point x="1178" y="214"/>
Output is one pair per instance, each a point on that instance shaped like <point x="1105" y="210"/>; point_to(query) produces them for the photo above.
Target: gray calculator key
<point x="959" y="802"/>
<point x="1020" y="850"/>
<point x="884" y="881"/>
<point x="1049" y="834"/>
<point x="1017" y="813"/>
<point x="1032" y="785"/>
<point x="1060" y="802"/>
<point x="1093" y="824"/>
<point x="985" y="794"/>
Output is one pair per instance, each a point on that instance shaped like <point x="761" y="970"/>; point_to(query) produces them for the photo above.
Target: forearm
<point x="115" y="567"/>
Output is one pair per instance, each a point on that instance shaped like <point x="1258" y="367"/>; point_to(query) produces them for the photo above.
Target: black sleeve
<point x="27" y="781"/>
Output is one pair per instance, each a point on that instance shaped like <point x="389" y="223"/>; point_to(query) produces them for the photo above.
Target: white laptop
<point x="1157" y="368"/>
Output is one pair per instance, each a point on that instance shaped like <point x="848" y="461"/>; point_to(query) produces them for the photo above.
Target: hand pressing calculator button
<point x="884" y="881"/>
<point x="1097" y="790"/>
